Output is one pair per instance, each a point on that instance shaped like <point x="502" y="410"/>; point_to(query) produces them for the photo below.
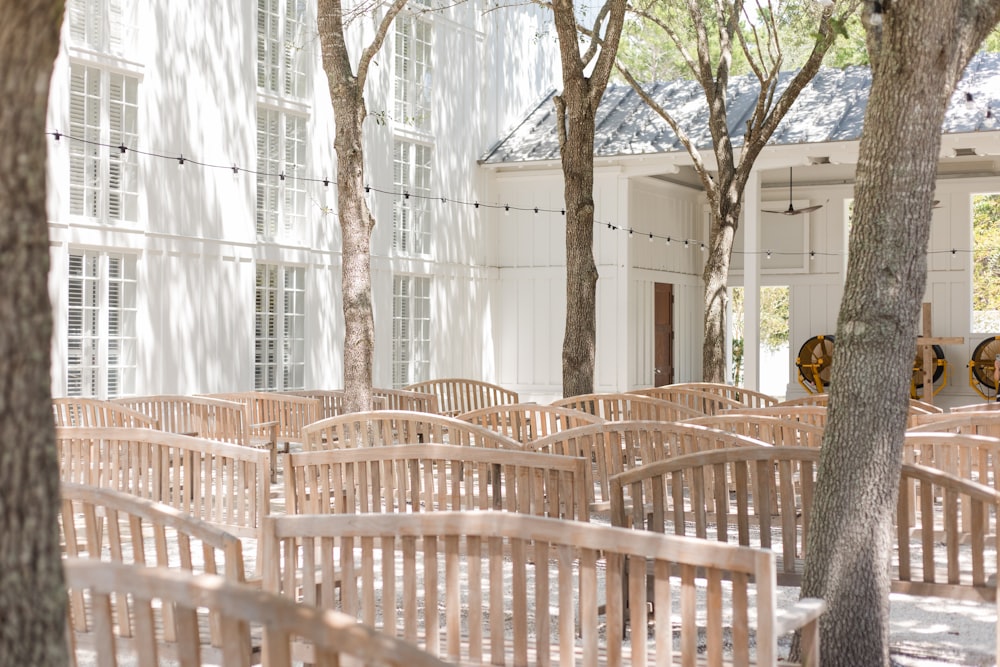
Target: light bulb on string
<point x="687" y="243"/>
<point x="769" y="254"/>
<point x="812" y="255"/>
<point x="506" y="209"/>
<point x="180" y="160"/>
<point x="650" y="238"/>
<point x="668" y="241"/>
<point x="704" y="248"/>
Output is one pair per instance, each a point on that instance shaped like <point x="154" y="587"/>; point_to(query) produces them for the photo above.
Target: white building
<point x="651" y="220"/>
<point x="195" y="246"/>
<point x="214" y="273"/>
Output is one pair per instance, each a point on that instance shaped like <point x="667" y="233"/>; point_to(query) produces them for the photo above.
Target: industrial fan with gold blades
<point x="814" y="363"/>
<point x="981" y="367"/>
<point x="791" y="210"/>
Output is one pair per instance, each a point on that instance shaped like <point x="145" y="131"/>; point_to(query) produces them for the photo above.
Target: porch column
<point x="751" y="282"/>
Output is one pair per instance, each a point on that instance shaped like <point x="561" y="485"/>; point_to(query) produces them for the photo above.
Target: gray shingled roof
<point x="831" y="108"/>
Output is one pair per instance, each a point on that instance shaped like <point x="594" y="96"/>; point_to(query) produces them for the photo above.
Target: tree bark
<point x="32" y="592"/>
<point x="356" y="222"/>
<point x="920" y="54"/>
<point x="576" y="111"/>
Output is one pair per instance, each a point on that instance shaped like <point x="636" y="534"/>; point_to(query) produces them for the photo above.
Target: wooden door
<point x="663" y="335"/>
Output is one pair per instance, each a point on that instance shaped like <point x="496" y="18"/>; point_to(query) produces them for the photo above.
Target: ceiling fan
<point x="791" y="210"/>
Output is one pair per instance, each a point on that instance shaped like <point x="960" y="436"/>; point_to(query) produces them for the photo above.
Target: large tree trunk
<point x="32" y="593"/>
<point x="576" y="110"/>
<point x="919" y="55"/>
<point x="577" y="154"/>
<point x="725" y="220"/>
<point x="356" y="222"/>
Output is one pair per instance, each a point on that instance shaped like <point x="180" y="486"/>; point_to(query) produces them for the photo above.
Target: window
<point x="413" y="72"/>
<point x="411" y="330"/>
<point x="101" y="335"/>
<point x="986" y="263"/>
<point x="103" y="112"/>
<point x="411" y="174"/>
<point x="282" y="43"/>
<point x="96" y="24"/>
<point x="281" y="149"/>
<point x="279" y="355"/>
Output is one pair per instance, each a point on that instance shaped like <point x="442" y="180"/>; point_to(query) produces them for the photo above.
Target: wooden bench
<point x="628" y="407"/>
<point x="772" y="430"/>
<point x="108" y="524"/>
<point x="747" y="397"/>
<point x="396" y="427"/>
<point x="612" y="447"/>
<point x="701" y="400"/>
<point x="916" y="406"/>
<point x="810" y="414"/>
<point x="986" y="406"/>
<point x="772" y="506"/>
<point x="458" y="395"/>
<point x="973" y="423"/>
<point x="412" y="401"/>
<point x="221" y="483"/>
<point x="290" y="413"/>
<point x="526" y="422"/>
<point x="91" y="412"/>
<point x="434" y="477"/>
<point x="503" y="588"/>
<point x="331" y="402"/>
<point x="129" y="614"/>
<point x="211" y="418"/>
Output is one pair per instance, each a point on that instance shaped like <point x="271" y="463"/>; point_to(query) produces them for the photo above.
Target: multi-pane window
<point x="103" y="117"/>
<point x="101" y="333"/>
<point x="283" y="43"/>
<point x="96" y="24"/>
<point x="411" y="330"/>
<point x="413" y="72"/>
<point x="279" y="355"/>
<point x="411" y="176"/>
<point x="281" y="150"/>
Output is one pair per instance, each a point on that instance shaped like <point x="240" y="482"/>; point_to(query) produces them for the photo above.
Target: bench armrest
<point x="804" y="612"/>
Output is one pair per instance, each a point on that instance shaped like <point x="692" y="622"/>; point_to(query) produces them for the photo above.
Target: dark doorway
<point x="663" y="335"/>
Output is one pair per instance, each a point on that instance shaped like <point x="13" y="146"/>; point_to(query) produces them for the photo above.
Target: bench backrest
<point x="916" y="406"/>
<point x="92" y="412"/>
<point x="458" y="395"/>
<point x="747" y="397"/>
<point x="290" y="413"/>
<point x="704" y="401"/>
<point x="771" y="507"/>
<point x="628" y="407"/>
<point x="810" y="414"/>
<point x="411" y="401"/>
<point x="141" y="615"/>
<point x="526" y="422"/>
<point x="331" y="401"/>
<point x="396" y="427"/>
<point x="985" y="406"/>
<point x="772" y="430"/>
<point x="221" y="483"/>
<point x="200" y="416"/>
<point x="551" y="578"/>
<point x="971" y="423"/>
<point x="612" y="447"/>
<point x="108" y="524"/>
<point x="428" y="478"/>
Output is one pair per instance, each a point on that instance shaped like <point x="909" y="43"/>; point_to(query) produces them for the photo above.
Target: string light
<point x="325" y="180"/>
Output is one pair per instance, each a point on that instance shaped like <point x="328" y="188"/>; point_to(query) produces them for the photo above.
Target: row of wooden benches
<point x="471" y="587"/>
<point x="756" y="496"/>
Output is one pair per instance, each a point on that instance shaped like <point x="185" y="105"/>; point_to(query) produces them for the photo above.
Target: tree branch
<point x="376" y="42"/>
